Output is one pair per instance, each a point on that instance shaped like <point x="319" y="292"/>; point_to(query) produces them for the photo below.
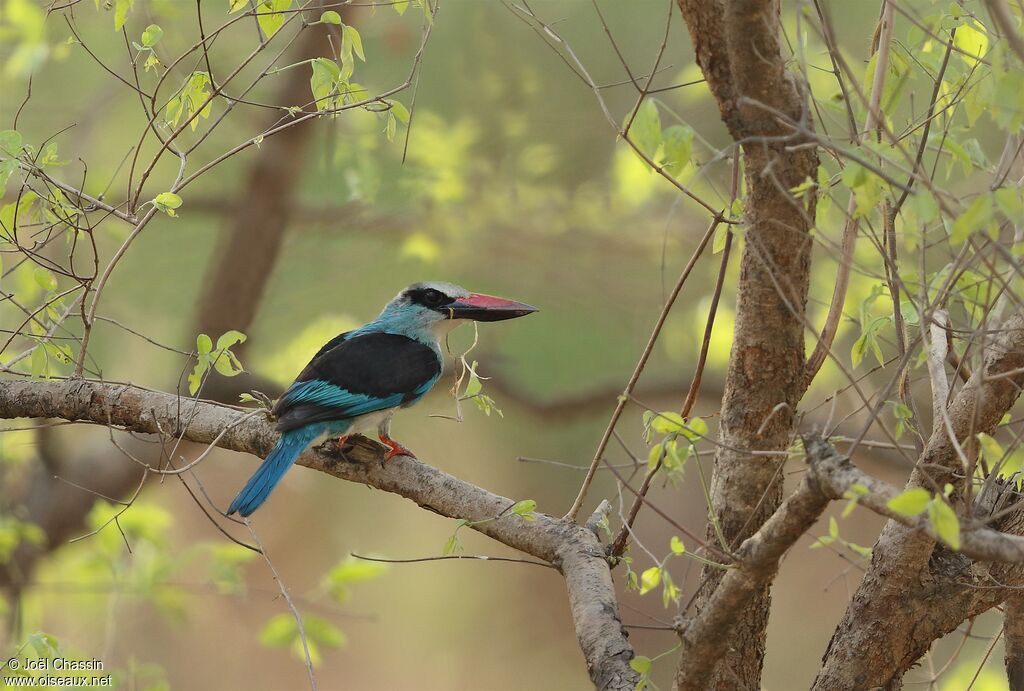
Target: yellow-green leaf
<point x="121" y="13"/>
<point x="270" y="16"/>
<point x="977" y="216"/>
<point x="911" y="502"/>
<point x="650" y="579"/>
<point x="641" y="664"/>
<point x="152" y="35"/>
<point x="167" y="202"/>
<point x="945" y="521"/>
<point x="330" y="17"/>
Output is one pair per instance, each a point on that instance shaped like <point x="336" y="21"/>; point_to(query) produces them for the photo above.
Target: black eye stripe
<point x="429" y="297"/>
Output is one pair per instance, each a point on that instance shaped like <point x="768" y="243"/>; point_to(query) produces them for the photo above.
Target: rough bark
<point x="913" y="594"/>
<point x="757" y="562"/>
<point x="574" y="550"/>
<point x="737" y="46"/>
<point x="1013" y="635"/>
<point x="961" y="584"/>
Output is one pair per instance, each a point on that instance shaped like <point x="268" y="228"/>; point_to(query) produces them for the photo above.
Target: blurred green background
<point x="513" y="184"/>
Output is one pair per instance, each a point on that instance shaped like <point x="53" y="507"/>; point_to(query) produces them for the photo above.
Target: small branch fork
<point x="572" y="549"/>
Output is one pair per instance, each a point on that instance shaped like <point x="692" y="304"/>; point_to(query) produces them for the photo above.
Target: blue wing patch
<point x="320" y="393"/>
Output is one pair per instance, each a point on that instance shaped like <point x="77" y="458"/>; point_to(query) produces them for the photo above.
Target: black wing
<point x="358" y="374"/>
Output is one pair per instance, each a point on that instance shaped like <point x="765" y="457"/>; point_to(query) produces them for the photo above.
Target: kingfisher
<point x="358" y="379"/>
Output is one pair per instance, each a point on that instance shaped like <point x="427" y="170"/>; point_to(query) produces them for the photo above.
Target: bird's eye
<point x="433" y="297"/>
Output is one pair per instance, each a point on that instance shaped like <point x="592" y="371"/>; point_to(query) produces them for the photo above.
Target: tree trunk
<point x="737" y="47"/>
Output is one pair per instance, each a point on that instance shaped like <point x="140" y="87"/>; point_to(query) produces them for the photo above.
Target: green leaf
<point x="853" y="495"/>
<point x="721" y="235"/>
<point x="677" y="145"/>
<point x="349" y="571"/>
<point x="230" y="338"/>
<point x="833" y="528"/>
<point x="911" y="502"/>
<point x="645" y="132"/>
<point x="641" y="664"/>
<point x="668" y="423"/>
<point x="323" y="632"/>
<point x="330" y="17"/>
<point x="45" y="279"/>
<point x="7" y="168"/>
<point x="324" y="81"/>
<point x="204" y="344"/>
<point x="247" y="398"/>
<point x="400" y="111"/>
<point x="971" y="39"/>
<point x="228" y="364"/>
<point x="1011" y="203"/>
<point x="49" y="156"/>
<point x="10" y="142"/>
<point x="524" y="508"/>
<point x="859" y="347"/>
<point x="152" y="35"/>
<point x="650" y="579"/>
<point x="269" y="15"/>
<point x="44" y="644"/>
<point x="860" y="549"/>
<point x="237" y="5"/>
<point x="192" y="96"/>
<point x="391" y="127"/>
<point x="474" y="386"/>
<point x="695" y="429"/>
<point x="654" y="455"/>
<point x="977" y="216"/>
<point x="945" y="522"/>
<point x="677" y="546"/>
<point x="991" y="450"/>
<point x="822" y="541"/>
<point x="280" y="631"/>
<point x="669" y="591"/>
<point x="121" y="13"/>
<point x="38" y="363"/>
<point x="452" y="546"/>
<point x="167" y="202"/>
<point x="401" y="6"/>
<point x="356" y="40"/>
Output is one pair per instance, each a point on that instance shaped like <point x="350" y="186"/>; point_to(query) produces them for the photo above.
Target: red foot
<point x="395" y="449"/>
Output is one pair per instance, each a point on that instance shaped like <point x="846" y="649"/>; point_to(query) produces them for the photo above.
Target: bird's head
<point x="439" y="306"/>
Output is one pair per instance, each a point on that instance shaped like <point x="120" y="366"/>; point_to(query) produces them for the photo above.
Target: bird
<point x="359" y="379"/>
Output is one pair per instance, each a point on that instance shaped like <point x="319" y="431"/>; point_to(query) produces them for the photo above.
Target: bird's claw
<point x="395" y="449"/>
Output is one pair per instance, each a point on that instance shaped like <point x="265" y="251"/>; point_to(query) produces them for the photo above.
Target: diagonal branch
<point x="574" y="550"/>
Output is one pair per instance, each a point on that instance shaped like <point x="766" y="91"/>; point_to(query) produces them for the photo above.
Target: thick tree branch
<point x="1013" y="635"/>
<point x="757" y="562"/>
<point x="574" y="550"/>
<point x="898" y="590"/>
<point x="737" y="45"/>
<point x="829" y="476"/>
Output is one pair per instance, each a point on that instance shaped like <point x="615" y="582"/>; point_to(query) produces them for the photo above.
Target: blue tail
<point x="278" y="461"/>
